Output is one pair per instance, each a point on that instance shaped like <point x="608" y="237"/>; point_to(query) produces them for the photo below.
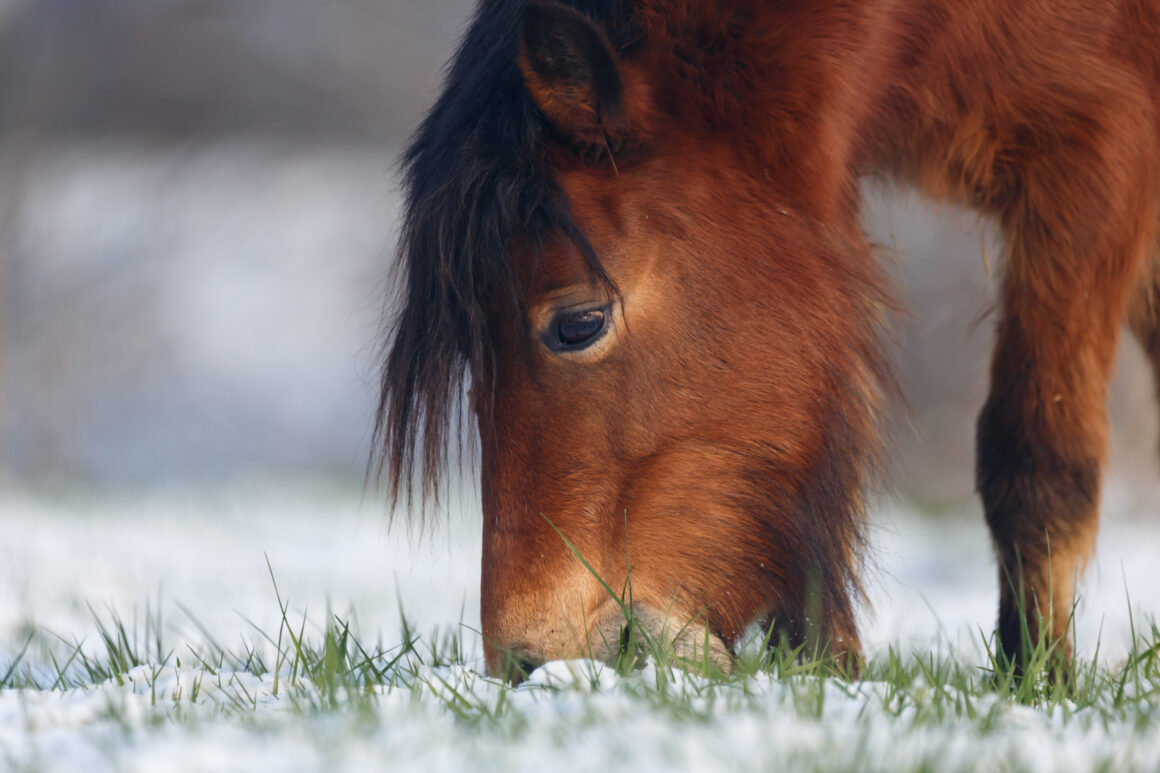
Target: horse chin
<point x="642" y="630"/>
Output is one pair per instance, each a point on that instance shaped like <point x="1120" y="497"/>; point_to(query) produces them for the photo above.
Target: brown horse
<point x="632" y="225"/>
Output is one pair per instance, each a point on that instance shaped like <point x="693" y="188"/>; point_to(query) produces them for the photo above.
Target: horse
<point x="631" y="257"/>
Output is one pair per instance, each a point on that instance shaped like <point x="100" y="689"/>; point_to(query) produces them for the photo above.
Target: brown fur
<point x="731" y="426"/>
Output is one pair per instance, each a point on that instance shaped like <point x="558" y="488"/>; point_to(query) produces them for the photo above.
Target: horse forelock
<point x="475" y="182"/>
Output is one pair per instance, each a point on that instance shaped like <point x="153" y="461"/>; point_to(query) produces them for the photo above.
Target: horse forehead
<point x="597" y="200"/>
<point x="597" y="208"/>
<point x="618" y="211"/>
<point x="635" y="215"/>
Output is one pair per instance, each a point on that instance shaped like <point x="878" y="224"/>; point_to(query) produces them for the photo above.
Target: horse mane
<point x="474" y="180"/>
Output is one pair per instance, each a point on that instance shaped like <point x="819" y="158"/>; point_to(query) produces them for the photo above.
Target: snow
<point x="931" y="585"/>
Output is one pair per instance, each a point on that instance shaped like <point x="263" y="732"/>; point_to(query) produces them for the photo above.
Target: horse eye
<point x="574" y="330"/>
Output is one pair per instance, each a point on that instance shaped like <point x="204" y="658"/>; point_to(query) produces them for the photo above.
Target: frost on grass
<point x="227" y="669"/>
<point x="338" y="703"/>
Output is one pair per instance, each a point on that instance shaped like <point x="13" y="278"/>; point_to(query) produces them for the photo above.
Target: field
<point x="253" y="630"/>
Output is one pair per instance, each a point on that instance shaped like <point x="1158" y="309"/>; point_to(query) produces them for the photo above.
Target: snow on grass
<point x="263" y="631"/>
<point x="450" y="718"/>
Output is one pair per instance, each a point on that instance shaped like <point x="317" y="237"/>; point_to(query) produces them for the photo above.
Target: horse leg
<point x="1077" y="229"/>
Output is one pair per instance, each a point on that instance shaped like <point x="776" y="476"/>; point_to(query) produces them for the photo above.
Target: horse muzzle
<point x="617" y="634"/>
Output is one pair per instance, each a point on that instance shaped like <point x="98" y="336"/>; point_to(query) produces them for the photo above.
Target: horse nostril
<point x="518" y="666"/>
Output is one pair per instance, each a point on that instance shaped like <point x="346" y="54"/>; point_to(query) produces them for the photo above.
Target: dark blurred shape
<point x="355" y="70"/>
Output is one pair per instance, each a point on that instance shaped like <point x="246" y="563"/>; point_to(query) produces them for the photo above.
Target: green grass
<point x="331" y="671"/>
<point x="336" y="670"/>
<point x="331" y="684"/>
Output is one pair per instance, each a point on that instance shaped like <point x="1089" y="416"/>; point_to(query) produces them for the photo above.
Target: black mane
<point x="474" y="180"/>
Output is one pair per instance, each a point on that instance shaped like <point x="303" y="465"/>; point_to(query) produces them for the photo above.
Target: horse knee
<point x="1037" y="483"/>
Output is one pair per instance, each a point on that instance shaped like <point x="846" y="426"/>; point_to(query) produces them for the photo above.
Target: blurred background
<point x="197" y="221"/>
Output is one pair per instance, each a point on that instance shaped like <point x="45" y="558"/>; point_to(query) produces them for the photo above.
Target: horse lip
<point x="517" y="663"/>
<point x="521" y="669"/>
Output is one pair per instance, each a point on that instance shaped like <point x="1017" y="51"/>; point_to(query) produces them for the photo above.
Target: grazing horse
<point x="631" y="254"/>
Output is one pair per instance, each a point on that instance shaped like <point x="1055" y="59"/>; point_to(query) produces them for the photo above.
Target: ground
<point x="261" y="629"/>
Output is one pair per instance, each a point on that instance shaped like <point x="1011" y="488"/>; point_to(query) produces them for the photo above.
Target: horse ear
<point x="571" y="71"/>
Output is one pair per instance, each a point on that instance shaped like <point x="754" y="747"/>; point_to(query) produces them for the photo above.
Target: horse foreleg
<point x="1042" y="434"/>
